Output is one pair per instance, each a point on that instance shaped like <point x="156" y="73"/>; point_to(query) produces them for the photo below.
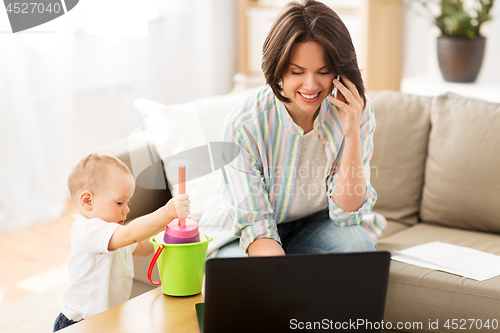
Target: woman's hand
<point x="350" y="106"/>
<point x="265" y="247"/>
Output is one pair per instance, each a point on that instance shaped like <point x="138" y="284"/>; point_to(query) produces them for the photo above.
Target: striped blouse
<point x="255" y="193"/>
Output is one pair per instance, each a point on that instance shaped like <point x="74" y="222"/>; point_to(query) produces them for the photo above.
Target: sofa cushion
<point x="462" y="177"/>
<point x="393" y="227"/>
<point x="417" y="294"/>
<point x="399" y="153"/>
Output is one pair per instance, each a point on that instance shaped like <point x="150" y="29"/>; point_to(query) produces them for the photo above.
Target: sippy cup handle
<point x="152" y="264"/>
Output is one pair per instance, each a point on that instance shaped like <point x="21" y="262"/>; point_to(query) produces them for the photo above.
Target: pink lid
<point x="190" y="230"/>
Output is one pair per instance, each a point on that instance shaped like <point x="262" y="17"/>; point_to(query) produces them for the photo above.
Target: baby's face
<point x="112" y="200"/>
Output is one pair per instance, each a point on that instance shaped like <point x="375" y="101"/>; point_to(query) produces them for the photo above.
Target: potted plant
<point x="461" y="46"/>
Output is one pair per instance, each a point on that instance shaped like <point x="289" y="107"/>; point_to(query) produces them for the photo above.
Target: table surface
<point x="150" y="312"/>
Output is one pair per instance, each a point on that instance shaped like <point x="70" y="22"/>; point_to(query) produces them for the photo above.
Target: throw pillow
<point x="462" y="175"/>
<point x="399" y="153"/>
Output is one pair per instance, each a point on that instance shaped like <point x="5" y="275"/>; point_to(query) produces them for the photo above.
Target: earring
<point x="280" y="84"/>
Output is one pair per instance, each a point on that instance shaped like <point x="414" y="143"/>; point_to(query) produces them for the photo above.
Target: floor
<point x="34" y="260"/>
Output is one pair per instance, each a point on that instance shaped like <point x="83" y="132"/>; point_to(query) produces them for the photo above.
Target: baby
<point x="100" y="266"/>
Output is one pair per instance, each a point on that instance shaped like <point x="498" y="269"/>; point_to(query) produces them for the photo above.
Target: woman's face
<point x="307" y="81"/>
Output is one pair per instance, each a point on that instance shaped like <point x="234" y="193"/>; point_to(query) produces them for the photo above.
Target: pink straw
<point x="182" y="189"/>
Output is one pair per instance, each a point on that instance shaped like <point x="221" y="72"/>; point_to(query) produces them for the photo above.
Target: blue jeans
<point x="62" y="322"/>
<point x="315" y="233"/>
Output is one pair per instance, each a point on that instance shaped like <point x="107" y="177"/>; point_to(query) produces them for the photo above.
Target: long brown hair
<point x="309" y="20"/>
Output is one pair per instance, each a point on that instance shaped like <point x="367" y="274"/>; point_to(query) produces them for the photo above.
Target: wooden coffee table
<point x="150" y="312"/>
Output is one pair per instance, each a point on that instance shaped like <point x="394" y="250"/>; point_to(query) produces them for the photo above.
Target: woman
<point x="300" y="180"/>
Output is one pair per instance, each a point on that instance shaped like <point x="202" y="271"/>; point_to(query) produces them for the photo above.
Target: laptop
<point x="295" y="292"/>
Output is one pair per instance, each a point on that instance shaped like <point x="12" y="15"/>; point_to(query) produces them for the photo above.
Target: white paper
<point x="453" y="259"/>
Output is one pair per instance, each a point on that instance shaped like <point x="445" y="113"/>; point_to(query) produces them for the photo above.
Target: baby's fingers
<point x="182" y="197"/>
<point x="182" y="205"/>
<point x="183" y="212"/>
<point x="182" y="200"/>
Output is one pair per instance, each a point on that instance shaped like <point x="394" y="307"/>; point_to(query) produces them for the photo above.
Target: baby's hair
<point x="90" y="172"/>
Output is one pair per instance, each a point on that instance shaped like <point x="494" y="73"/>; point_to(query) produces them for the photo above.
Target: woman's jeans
<point x="315" y="233"/>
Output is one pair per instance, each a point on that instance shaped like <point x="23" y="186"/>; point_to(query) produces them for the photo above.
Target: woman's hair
<point x="307" y="21"/>
<point x="90" y="172"/>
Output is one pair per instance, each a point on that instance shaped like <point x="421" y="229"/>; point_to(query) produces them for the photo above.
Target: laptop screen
<point x="294" y="292"/>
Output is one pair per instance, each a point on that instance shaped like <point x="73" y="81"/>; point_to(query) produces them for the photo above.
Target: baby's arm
<point x="148" y="225"/>
<point x="144" y="248"/>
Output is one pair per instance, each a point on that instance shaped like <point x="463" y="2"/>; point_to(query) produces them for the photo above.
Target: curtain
<point x="67" y="87"/>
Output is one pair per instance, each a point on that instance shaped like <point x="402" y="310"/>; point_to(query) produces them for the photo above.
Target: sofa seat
<point x="415" y="293"/>
<point x="393" y="227"/>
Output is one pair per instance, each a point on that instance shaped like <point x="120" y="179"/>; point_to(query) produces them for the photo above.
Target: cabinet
<point x="432" y="84"/>
<point x="375" y="27"/>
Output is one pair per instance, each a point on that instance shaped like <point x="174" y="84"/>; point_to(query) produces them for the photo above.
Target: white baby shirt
<point x="99" y="279"/>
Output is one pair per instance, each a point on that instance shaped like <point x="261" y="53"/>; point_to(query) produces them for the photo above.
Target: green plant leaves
<point x="454" y="19"/>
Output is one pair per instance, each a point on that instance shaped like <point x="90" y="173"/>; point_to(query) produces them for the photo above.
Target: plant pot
<point x="460" y="59"/>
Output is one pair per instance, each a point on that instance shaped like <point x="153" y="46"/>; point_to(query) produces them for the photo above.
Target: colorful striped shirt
<point x="255" y="193"/>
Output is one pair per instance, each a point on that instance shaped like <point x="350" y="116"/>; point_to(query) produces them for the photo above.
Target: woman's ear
<point x="87" y="200"/>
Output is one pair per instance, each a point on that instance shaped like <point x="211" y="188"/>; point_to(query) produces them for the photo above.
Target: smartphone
<point x="334" y="91"/>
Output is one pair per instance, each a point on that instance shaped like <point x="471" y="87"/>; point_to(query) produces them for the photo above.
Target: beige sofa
<point x="438" y="162"/>
<point x="436" y="168"/>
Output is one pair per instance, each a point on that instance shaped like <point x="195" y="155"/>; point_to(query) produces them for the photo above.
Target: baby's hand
<point x="179" y="206"/>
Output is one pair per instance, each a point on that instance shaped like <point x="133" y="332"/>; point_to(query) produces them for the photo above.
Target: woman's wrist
<point x="265" y="247"/>
<point x="353" y="135"/>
